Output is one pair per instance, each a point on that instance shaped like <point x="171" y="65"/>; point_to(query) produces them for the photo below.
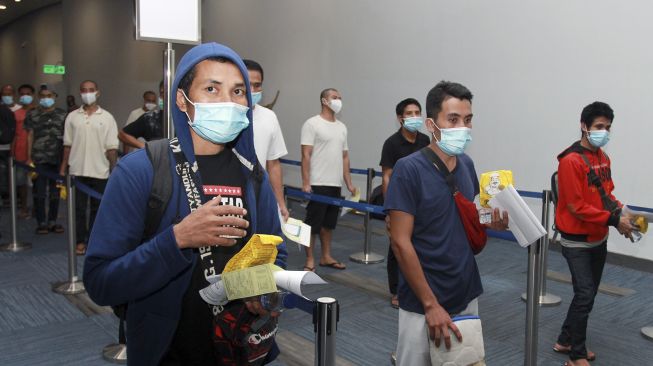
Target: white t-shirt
<point x="329" y="141"/>
<point x="268" y="139"/>
<point x="89" y="137"/>
<point x="133" y="115"/>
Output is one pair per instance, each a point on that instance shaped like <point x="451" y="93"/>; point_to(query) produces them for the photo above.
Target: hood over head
<point x="244" y="143"/>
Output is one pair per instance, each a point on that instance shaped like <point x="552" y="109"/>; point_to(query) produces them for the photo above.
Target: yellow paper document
<point x="248" y="282"/>
<point x="260" y="249"/>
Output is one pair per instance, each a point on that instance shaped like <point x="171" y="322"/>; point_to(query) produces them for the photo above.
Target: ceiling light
<point x="3" y="7"/>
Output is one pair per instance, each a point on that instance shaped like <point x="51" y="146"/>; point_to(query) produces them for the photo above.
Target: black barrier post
<point x="14" y="245"/>
<point x="545" y="299"/>
<point x="73" y="285"/>
<point x="325" y="324"/>
<point x="366" y="256"/>
<point x="532" y="305"/>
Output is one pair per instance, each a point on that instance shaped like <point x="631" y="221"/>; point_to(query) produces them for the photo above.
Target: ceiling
<point x="16" y="10"/>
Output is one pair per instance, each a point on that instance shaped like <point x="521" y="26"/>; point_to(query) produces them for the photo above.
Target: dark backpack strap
<point x="594" y="179"/>
<point x="435" y="159"/>
<point x="161" y="191"/>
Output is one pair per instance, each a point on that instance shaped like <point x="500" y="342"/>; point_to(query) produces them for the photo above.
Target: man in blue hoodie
<point x="202" y="228"/>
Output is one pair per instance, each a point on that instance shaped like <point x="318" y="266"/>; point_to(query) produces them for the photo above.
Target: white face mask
<point x="150" y="106"/>
<point x="335" y="105"/>
<point x="89" y="98"/>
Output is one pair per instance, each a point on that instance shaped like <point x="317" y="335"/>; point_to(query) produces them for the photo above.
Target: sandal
<point x="42" y="230"/>
<point x="56" y="229"/>
<point x="591" y="356"/>
<point x="80" y="249"/>
<point x="334" y="265"/>
<point x="394" y="302"/>
<point x="309" y="269"/>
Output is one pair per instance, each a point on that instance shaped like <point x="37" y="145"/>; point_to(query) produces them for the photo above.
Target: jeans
<point x="44" y="187"/>
<point x="393" y="271"/>
<point x="81" y="203"/>
<point x="586" y="267"/>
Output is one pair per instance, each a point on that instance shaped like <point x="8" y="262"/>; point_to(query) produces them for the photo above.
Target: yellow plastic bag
<point x="63" y="192"/>
<point x="260" y="249"/>
<point x="492" y="183"/>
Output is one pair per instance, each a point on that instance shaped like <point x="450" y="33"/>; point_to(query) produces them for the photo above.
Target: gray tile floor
<point x="39" y="327"/>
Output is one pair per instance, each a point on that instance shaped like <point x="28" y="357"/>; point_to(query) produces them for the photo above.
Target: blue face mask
<point x="412" y="124"/>
<point x="453" y="141"/>
<point x="7" y="100"/>
<point x="46" y="102"/>
<point x="598" y="138"/>
<point x="219" y="123"/>
<point x="256" y="97"/>
<point x="26" y="99"/>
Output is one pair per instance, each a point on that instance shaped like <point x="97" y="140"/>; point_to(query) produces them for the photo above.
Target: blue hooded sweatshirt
<point x="153" y="276"/>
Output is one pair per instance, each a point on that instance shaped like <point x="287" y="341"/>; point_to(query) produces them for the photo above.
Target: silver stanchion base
<point x="15" y="247"/>
<point x="546" y="300"/>
<point x="69" y="288"/>
<point x="647" y="332"/>
<point x="370" y="258"/>
<point x="115" y="353"/>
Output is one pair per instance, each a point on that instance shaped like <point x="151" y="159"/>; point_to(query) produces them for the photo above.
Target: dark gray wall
<point x="29" y="43"/>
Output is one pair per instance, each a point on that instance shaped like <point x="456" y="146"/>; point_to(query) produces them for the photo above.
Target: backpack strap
<point x="435" y="159"/>
<point x="161" y="191"/>
<point x="594" y="179"/>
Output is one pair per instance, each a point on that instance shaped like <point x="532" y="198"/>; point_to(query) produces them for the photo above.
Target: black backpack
<point x="7" y="125"/>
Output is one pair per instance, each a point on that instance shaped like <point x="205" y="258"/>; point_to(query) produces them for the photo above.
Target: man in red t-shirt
<point x="585" y="210"/>
<point x="19" y="145"/>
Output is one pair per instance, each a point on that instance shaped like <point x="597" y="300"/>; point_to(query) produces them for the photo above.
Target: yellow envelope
<point x="249" y="282"/>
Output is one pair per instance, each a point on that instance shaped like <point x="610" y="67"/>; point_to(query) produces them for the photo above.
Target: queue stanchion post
<point x="545" y="299"/>
<point x="168" y="78"/>
<point x="532" y="305"/>
<point x="73" y="285"/>
<point x="117" y="352"/>
<point x="326" y="314"/>
<point x="647" y="332"/>
<point x="366" y="256"/>
<point x="14" y="245"/>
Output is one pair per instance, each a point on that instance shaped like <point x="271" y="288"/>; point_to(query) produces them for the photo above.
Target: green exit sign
<point x="54" y="69"/>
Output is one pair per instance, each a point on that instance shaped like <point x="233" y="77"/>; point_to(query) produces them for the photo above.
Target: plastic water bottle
<point x="278" y="301"/>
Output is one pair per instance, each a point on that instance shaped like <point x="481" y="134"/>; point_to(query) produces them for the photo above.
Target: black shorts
<point x="321" y="215"/>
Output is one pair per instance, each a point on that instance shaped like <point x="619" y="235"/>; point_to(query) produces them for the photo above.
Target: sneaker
<point x="56" y="228"/>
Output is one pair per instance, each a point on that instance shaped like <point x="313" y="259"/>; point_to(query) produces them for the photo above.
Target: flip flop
<point x="591" y="356"/>
<point x="334" y="265"/>
<point x="310" y="269"/>
<point x="394" y="302"/>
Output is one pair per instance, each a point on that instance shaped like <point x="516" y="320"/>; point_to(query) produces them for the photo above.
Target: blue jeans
<point x="586" y="267"/>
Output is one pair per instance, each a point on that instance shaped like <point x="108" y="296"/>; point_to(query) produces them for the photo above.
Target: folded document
<point x="523" y="223"/>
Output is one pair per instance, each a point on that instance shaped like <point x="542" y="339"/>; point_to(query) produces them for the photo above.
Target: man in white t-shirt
<point x="325" y="163"/>
<point x="268" y="139"/>
<point x="90" y="141"/>
<point x="149" y="104"/>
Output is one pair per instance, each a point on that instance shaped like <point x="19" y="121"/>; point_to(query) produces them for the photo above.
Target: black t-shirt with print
<point x="193" y="341"/>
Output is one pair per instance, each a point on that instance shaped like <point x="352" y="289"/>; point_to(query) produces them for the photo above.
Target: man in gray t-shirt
<point x="325" y="162"/>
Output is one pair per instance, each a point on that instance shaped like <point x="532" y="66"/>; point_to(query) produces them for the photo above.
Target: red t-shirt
<point x="19" y="147"/>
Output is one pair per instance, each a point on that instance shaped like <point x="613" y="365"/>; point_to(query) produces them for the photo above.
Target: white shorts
<point x="413" y="341"/>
